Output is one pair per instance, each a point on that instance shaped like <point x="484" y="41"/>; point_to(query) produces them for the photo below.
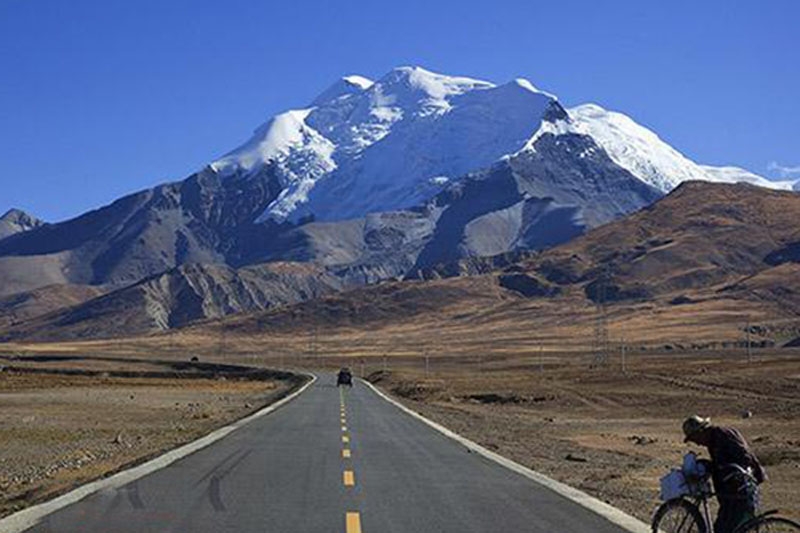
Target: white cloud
<point x="784" y="171"/>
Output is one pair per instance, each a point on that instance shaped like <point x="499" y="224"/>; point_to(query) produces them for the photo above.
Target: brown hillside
<point x="23" y="306"/>
<point x="691" y="270"/>
<point x="178" y="297"/>
<point x="699" y="236"/>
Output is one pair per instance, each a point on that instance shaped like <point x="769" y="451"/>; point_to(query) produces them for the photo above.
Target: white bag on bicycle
<point x="673" y="485"/>
<point x="693" y="467"/>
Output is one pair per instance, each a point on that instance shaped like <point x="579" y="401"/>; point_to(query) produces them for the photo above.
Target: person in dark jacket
<point x="735" y="470"/>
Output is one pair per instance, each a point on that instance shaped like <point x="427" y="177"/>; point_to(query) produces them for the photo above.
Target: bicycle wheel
<point x="772" y="524"/>
<point x="678" y="516"/>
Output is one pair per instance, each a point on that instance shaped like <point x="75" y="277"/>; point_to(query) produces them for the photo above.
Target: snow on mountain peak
<point x="730" y="174"/>
<point x="365" y="146"/>
<point x="345" y="86"/>
<point x="368" y="146"/>
<point x="634" y="147"/>
<point x="282" y="135"/>
<point x="646" y="156"/>
<point x="300" y="155"/>
<point x="358" y="81"/>
<point x="435" y="85"/>
<point x="528" y="86"/>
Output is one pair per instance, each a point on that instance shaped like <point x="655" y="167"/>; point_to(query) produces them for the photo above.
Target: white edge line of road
<point x="27" y="518"/>
<point x="610" y="513"/>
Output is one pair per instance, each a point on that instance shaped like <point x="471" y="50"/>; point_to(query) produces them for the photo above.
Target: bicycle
<point x="689" y="513"/>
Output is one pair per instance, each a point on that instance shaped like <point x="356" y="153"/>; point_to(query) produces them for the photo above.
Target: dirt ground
<point x="59" y="431"/>
<point x="609" y="433"/>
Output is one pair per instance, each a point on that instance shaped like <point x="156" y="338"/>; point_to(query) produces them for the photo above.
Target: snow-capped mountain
<point x="370" y="181"/>
<point x="365" y="146"/>
<point x="369" y="147"/>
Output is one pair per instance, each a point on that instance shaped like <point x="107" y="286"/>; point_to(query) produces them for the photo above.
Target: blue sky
<point x="99" y="98"/>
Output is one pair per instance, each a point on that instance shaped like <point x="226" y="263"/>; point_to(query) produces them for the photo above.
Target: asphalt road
<point x="331" y="460"/>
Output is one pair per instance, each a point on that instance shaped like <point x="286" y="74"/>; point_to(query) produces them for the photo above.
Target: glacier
<point x="649" y="158"/>
<point x="365" y="146"/>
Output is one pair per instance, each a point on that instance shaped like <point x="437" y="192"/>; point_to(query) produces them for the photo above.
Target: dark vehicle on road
<point x="345" y="377"/>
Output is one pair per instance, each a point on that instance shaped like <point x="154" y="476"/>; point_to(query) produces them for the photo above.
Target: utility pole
<point x="427" y="363"/>
<point x="385" y="367"/>
<point x="749" y="347"/>
<point x="170" y="341"/>
<point x="622" y="348"/>
<point x="221" y="346"/>
<point x="312" y="342"/>
<point x="600" y="347"/>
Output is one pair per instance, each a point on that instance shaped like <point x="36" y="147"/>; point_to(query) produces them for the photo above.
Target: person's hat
<point x="694" y="424"/>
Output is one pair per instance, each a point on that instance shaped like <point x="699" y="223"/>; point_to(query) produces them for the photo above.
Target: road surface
<point x="330" y="461"/>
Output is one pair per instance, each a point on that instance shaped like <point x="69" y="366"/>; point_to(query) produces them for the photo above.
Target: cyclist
<point x="733" y="469"/>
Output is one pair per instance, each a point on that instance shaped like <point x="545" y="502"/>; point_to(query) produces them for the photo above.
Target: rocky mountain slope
<point x="735" y="252"/>
<point x="17" y="221"/>
<point x="740" y="239"/>
<point x="533" y="200"/>
<point x="178" y="297"/>
<point x="202" y="219"/>
<point x="19" y="307"/>
<point x="740" y="247"/>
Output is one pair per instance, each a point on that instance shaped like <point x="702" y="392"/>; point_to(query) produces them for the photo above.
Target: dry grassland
<point x="59" y="431"/>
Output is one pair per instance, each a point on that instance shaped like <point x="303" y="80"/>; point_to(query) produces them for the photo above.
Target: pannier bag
<point x="674" y="485"/>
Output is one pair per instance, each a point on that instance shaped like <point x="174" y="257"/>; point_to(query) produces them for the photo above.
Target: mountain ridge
<point x="740" y="245"/>
<point x="657" y="271"/>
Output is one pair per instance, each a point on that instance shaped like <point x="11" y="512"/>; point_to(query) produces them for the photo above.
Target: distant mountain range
<point x="372" y="181"/>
